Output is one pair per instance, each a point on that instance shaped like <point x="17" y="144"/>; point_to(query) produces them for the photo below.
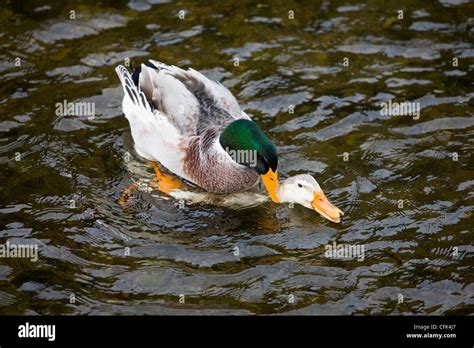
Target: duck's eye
<point x="299" y="185"/>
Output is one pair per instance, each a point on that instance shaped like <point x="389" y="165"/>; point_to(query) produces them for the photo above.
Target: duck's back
<point x="189" y="99"/>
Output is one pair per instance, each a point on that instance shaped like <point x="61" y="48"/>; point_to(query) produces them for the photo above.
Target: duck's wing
<point x="192" y="101"/>
<point x="155" y="136"/>
<point x="169" y="96"/>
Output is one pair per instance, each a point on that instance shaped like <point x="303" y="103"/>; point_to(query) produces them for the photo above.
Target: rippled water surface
<point x="406" y="185"/>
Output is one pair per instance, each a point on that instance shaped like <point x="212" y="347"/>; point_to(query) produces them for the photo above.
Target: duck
<point x="194" y="127"/>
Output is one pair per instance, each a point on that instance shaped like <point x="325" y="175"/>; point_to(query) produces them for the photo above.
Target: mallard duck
<point x="195" y="128"/>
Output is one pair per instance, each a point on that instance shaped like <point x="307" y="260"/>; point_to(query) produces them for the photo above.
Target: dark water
<point x="62" y="175"/>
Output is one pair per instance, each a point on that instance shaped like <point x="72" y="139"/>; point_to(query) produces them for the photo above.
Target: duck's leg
<point x="164" y="183"/>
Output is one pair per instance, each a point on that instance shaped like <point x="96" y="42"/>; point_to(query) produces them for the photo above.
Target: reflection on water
<point x="315" y="83"/>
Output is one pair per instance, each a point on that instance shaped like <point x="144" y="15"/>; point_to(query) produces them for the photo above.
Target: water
<point x="62" y="193"/>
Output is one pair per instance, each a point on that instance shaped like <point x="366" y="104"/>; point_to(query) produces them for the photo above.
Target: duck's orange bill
<point x="322" y="205"/>
<point x="270" y="180"/>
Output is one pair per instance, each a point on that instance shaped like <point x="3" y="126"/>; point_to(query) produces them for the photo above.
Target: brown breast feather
<point x="212" y="173"/>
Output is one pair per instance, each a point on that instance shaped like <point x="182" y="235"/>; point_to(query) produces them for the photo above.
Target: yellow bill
<point x="270" y="180"/>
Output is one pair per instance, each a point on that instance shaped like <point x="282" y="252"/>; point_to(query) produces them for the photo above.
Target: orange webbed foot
<point x="163" y="182"/>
